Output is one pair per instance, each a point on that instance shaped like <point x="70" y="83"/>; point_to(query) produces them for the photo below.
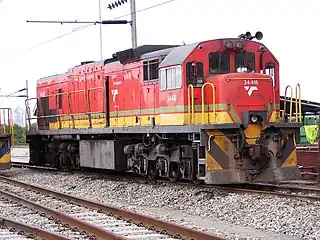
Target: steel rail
<point x="271" y="187"/>
<point x="27" y="165"/>
<point x="33" y="232"/>
<point x="272" y="193"/>
<point x="94" y="231"/>
<point x="257" y="188"/>
<point x="162" y="226"/>
<point x="261" y="189"/>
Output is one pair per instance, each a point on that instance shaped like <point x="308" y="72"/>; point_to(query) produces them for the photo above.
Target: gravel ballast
<point x="235" y="216"/>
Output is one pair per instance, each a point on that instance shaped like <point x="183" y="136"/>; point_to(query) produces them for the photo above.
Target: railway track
<point x="301" y="193"/>
<point x="11" y="229"/>
<point x="27" y="217"/>
<point x="27" y="165"/>
<point x="88" y="219"/>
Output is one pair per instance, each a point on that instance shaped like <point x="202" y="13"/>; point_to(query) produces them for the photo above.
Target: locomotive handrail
<point x="285" y="103"/>
<point x="209" y="143"/>
<point x="39" y="109"/>
<point x="70" y="113"/>
<point x="191" y="104"/>
<point x="213" y="101"/>
<point x="86" y="104"/>
<point x="7" y="124"/>
<point x="298" y="103"/>
<point x="92" y="89"/>
<point x="28" y="116"/>
<point x="89" y="106"/>
<point x="57" y="107"/>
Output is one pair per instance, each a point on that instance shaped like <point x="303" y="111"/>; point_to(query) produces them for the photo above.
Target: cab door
<point x="269" y="66"/>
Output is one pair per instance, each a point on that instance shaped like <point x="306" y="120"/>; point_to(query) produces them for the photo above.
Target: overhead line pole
<point x="133" y="23"/>
<point x="100" y="30"/>
<point x="133" y="14"/>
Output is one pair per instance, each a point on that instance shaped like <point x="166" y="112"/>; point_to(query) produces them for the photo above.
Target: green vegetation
<point x="19" y="134"/>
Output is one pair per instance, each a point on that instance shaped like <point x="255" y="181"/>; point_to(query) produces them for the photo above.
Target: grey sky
<point x="289" y="27"/>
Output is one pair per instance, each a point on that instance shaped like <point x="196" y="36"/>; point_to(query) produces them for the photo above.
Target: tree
<point x="19" y="134"/>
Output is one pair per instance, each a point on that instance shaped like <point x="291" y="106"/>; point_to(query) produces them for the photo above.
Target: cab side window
<point x="170" y="78"/>
<point x="195" y="75"/>
<point x="271" y="71"/>
<point x="150" y="70"/>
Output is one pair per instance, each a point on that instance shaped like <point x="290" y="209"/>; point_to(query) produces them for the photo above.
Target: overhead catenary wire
<point x="58" y="37"/>
<point x="77" y="29"/>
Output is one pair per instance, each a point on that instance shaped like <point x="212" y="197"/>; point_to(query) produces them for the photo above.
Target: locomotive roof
<point x="134" y="54"/>
<point x="174" y="55"/>
<point x="52" y="76"/>
<point x="178" y="55"/>
<point x="155" y="54"/>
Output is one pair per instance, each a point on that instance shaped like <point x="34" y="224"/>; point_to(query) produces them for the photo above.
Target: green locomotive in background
<point x="309" y="130"/>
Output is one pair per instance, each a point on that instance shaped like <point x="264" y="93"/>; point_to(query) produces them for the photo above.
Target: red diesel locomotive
<point x="207" y="111"/>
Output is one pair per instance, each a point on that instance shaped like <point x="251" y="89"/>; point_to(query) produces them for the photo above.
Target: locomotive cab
<point x="236" y="83"/>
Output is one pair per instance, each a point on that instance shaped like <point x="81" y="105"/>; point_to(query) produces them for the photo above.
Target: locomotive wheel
<point x="152" y="171"/>
<point x="174" y="172"/>
<point x="196" y="181"/>
<point x="152" y="174"/>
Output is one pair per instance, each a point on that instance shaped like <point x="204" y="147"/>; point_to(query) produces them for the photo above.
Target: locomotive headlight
<point x="239" y="45"/>
<point x="228" y="45"/>
<point x="254" y="118"/>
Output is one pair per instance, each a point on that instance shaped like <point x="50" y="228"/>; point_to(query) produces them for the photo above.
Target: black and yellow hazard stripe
<point x="218" y="151"/>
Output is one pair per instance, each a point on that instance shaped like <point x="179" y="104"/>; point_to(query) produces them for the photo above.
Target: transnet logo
<point x="250" y="89"/>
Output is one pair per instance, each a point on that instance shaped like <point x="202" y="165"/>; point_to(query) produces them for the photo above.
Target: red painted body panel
<point x="234" y="92"/>
<point x="128" y="92"/>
